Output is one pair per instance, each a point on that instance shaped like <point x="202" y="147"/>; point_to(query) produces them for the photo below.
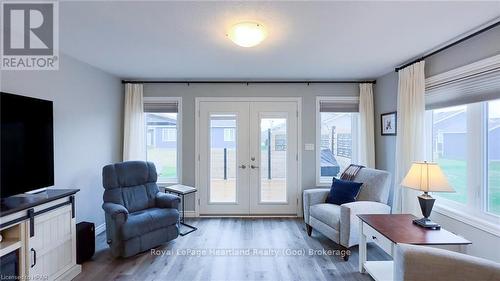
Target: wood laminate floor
<point x="209" y="254"/>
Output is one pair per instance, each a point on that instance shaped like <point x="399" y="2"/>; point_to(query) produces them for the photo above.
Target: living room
<point x="242" y="140"/>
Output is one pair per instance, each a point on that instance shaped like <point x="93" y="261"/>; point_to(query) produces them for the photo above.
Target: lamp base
<point x="427" y="223"/>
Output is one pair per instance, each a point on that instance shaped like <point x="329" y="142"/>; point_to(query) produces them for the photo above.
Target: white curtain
<point x="410" y="133"/>
<point x="366" y="134"/>
<point x="134" y="145"/>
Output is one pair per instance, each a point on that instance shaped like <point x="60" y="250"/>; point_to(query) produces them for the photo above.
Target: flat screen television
<point x="27" y="144"/>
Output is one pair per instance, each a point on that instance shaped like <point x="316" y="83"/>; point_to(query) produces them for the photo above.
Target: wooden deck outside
<point x="273" y="190"/>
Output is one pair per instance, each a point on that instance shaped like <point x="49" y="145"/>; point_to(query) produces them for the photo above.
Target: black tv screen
<point x="27" y="145"/>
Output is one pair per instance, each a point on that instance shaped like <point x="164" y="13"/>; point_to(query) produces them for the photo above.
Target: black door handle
<point x="34" y="257"/>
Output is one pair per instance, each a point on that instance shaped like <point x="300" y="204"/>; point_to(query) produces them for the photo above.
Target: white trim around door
<point x="298" y="100"/>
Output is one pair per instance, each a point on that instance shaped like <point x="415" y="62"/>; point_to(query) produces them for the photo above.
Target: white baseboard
<point x="249" y="216"/>
<point x="190" y="214"/>
<point x="100" y="229"/>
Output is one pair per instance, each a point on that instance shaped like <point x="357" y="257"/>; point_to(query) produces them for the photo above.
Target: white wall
<point x="189" y="93"/>
<point x="484" y="244"/>
<point x="87" y="125"/>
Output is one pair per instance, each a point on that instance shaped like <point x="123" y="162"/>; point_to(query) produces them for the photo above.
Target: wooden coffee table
<point x="389" y="230"/>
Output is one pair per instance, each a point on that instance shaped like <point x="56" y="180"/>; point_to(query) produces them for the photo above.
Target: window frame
<point x="354" y="133"/>
<point x="178" y="100"/>
<point x="473" y="212"/>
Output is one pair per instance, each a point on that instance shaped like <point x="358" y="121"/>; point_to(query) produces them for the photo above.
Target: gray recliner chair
<point x="340" y="223"/>
<point x="138" y="216"/>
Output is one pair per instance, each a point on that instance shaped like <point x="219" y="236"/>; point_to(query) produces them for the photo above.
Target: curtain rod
<point x="246" y="82"/>
<point x="482" y="30"/>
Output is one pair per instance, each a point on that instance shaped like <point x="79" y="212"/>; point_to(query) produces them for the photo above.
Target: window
<point x="493" y="156"/>
<point x="169" y="134"/>
<point x="162" y="127"/>
<point x="464" y="142"/>
<point x="449" y="137"/>
<point x="462" y="123"/>
<point x="229" y="134"/>
<point x="336" y="135"/>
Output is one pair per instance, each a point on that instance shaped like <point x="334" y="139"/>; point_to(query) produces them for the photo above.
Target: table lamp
<point x="426" y="177"/>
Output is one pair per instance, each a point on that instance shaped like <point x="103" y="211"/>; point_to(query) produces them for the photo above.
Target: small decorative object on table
<point x="388" y="124"/>
<point x="426" y="177"/>
<point x="182" y="190"/>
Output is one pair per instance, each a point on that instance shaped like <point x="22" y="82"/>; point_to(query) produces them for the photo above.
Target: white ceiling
<point x="307" y="40"/>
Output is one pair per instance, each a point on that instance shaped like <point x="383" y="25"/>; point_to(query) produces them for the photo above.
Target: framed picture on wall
<point x="388" y="123"/>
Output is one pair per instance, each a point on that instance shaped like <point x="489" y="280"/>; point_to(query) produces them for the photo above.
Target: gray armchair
<point x="419" y="263"/>
<point x="138" y="216"/>
<point x="340" y="223"/>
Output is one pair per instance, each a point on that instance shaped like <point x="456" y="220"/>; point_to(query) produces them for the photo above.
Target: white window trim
<point x="354" y="132"/>
<point x="179" y="135"/>
<point x="472" y="213"/>
<point x="466" y="216"/>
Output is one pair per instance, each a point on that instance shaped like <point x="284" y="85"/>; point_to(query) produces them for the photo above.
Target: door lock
<point x="253" y="158"/>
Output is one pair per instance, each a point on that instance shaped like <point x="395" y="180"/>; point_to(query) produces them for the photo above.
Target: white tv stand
<point x="41" y="228"/>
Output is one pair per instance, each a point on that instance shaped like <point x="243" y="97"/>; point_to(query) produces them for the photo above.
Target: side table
<point x="182" y="190"/>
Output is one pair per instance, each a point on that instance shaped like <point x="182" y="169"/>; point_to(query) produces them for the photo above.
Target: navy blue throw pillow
<point x="343" y="192"/>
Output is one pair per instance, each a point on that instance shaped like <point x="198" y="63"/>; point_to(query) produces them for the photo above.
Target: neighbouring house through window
<point x="337" y="137"/>
<point x="162" y="135"/>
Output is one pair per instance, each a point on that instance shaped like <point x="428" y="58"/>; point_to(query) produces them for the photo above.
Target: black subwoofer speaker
<point x="85" y="241"/>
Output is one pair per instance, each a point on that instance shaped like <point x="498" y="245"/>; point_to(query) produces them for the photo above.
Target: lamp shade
<point x="426" y="177"/>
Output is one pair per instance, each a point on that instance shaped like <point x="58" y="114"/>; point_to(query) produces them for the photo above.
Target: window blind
<point x="161" y="107"/>
<point x="339" y="105"/>
<point x="476" y="82"/>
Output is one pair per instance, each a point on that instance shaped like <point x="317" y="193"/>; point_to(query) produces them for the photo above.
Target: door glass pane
<point x="493" y="193"/>
<point x="273" y="152"/>
<point x="223" y="168"/>
<point x="449" y="140"/>
<point x="336" y="144"/>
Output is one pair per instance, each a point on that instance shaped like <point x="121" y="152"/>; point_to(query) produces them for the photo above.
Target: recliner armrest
<point x="349" y="221"/>
<point x="312" y="197"/>
<point x="114" y="210"/>
<point x="168" y="201"/>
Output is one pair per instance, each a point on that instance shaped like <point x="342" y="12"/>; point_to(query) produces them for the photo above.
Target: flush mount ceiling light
<point x="247" y="34"/>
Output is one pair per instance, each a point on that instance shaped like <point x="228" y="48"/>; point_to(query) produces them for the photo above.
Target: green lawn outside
<point x="494" y="187"/>
<point x="165" y="161"/>
<point x="456" y="171"/>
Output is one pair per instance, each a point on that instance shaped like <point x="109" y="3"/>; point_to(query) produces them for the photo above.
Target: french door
<point x="248" y="161"/>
